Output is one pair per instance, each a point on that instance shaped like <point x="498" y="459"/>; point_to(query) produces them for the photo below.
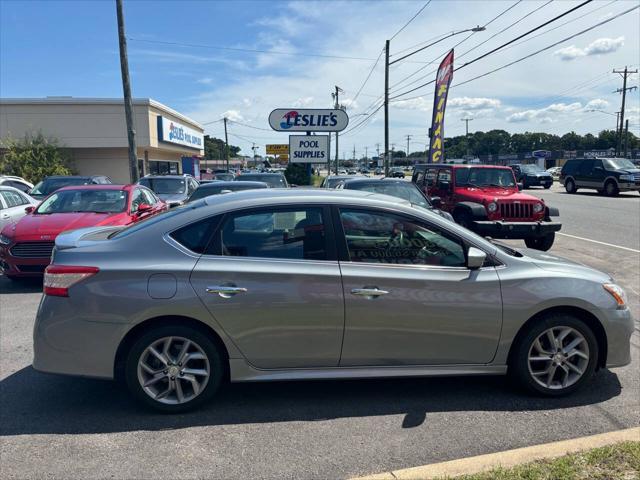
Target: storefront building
<point x="95" y="134"/>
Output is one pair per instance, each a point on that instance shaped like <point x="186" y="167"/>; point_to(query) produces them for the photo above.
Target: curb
<point x="508" y="458"/>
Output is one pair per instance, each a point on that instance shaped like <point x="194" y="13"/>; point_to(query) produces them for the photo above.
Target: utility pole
<point x="253" y="148"/>
<point x="408" y="139"/>
<point x="128" y="103"/>
<point x="625" y="73"/>
<point x="389" y="163"/>
<point x="386" y="108"/>
<point x="354" y="154"/>
<point x="626" y="137"/>
<point x="336" y="106"/>
<point x="366" y="157"/>
<point x="226" y="144"/>
<point x="467" y="120"/>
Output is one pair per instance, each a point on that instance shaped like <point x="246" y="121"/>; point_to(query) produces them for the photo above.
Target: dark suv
<point x="609" y="176"/>
<point x="532" y="175"/>
<point x="50" y="184"/>
<point x="486" y="199"/>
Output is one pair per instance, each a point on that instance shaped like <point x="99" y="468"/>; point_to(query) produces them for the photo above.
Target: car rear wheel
<point x="543" y="243"/>
<point x="610" y="189"/>
<point x="570" y="186"/>
<point x="174" y="368"/>
<point x="547" y="186"/>
<point x="555" y="356"/>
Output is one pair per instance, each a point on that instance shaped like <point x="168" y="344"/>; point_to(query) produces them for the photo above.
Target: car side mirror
<point x="436" y="202"/>
<point x="475" y="258"/>
<point x="143" y="207"/>
<point x="30" y="209"/>
<point x="520" y="186"/>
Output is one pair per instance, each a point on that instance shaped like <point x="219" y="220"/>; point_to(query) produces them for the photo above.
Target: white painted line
<point x="600" y="243"/>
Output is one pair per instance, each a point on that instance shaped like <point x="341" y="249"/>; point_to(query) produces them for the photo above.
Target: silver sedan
<point x="307" y="284"/>
<point x="13" y="205"/>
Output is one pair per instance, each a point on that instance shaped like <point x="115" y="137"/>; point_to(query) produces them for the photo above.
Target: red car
<point x="25" y="247"/>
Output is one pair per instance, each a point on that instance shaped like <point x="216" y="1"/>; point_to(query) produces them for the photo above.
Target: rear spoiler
<point x="84" y="236"/>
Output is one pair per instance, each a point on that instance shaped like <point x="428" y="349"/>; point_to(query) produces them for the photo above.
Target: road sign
<point x="308" y="120"/>
<point x="309" y="148"/>
<point x="277" y="149"/>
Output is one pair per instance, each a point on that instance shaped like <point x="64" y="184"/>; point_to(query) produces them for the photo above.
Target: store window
<point x="163" y="168"/>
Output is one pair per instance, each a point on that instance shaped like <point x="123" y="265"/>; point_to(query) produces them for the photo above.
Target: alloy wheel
<point x="173" y="370"/>
<point x="558" y="357"/>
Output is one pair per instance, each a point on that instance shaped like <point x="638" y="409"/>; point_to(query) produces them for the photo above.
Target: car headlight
<point x="626" y="178"/>
<point x="617" y="293"/>
<point x="492" y="207"/>
<point x="537" y="207"/>
<point x="4" y="240"/>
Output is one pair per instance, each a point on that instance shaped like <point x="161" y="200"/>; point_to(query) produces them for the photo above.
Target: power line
<point x="502" y="46"/>
<point x="455" y="46"/>
<point x="411" y="20"/>
<point x="421" y="43"/>
<point x="251" y="126"/>
<point x="368" y="76"/>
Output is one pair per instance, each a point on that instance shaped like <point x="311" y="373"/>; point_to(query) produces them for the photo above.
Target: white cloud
<point x="303" y="102"/>
<point x="542" y="115"/>
<point x="205" y="80"/>
<point x="233" y="115"/>
<point x="597" y="104"/>
<point x="602" y="46"/>
<point x="477" y="103"/>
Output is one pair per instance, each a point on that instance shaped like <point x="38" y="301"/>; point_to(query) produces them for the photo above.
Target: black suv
<point x="532" y="175"/>
<point x="609" y="176"/>
<point x="50" y="184"/>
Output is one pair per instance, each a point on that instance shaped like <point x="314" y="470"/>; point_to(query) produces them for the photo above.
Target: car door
<point x="443" y="188"/>
<point x="14" y="205"/>
<point x="409" y="298"/>
<point x="583" y="174"/>
<point x="271" y="279"/>
<point x="597" y="175"/>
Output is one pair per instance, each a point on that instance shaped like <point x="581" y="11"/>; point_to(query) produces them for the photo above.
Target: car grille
<point x="516" y="210"/>
<point x="32" y="249"/>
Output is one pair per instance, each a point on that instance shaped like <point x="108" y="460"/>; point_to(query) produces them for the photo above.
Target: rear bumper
<point x="516" y="230"/>
<point x="538" y="182"/>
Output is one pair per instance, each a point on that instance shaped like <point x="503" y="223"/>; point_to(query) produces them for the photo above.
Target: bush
<point x="296" y="173"/>
<point x="34" y="157"/>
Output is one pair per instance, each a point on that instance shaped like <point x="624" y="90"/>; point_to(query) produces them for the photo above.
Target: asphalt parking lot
<point x="63" y="427"/>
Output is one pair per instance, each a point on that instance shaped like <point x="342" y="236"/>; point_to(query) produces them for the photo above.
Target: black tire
<point x="611" y="189"/>
<point x="543" y="243"/>
<point x="570" y="186"/>
<point x="547" y="187"/>
<point x="464" y="219"/>
<point x="216" y="360"/>
<point x="519" y="357"/>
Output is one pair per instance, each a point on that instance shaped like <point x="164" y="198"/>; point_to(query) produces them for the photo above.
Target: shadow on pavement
<point x="596" y="194"/>
<point x="36" y="403"/>
<point x="23" y="285"/>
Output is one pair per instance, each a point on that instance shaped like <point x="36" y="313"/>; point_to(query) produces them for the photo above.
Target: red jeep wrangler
<point x="487" y="200"/>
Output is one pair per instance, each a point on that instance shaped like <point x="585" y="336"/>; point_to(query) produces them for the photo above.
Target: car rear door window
<point x="297" y="234"/>
<point x="196" y="236"/>
<point x="13" y="199"/>
<point x="384" y="237"/>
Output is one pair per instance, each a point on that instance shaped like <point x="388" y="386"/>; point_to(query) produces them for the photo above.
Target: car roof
<point x="260" y="173"/>
<point x="181" y="177"/>
<point x="232" y="183"/>
<point x="378" y="181"/>
<point x="108" y="186"/>
<point x="12" y="189"/>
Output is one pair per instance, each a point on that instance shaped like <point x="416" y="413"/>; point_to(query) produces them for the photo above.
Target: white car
<point x="13" y="203"/>
<point x="16" y="182"/>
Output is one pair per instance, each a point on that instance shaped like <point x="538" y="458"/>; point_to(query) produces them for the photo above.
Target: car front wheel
<point x="174" y="368"/>
<point x="556" y="356"/>
<point x="611" y="189"/>
<point x="570" y="186"/>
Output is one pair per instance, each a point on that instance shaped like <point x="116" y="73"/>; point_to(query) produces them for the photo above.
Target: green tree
<point x="214" y="149"/>
<point x="34" y="157"/>
<point x="296" y="174"/>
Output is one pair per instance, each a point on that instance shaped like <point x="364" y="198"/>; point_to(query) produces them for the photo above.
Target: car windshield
<point x="406" y="191"/>
<point x="73" y="201"/>
<point x="165" y="186"/>
<point x="485" y="177"/>
<point x="214" y="189"/>
<point x="531" y="168"/>
<point x="50" y="185"/>
<point x="333" y="182"/>
<point x="619" y="164"/>
<point x="225" y="176"/>
<point x="274" y="181"/>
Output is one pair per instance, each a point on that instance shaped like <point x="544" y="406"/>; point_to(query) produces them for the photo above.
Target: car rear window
<point x="196" y="236"/>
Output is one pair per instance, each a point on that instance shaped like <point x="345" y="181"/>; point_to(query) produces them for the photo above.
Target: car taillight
<point x="59" y="278"/>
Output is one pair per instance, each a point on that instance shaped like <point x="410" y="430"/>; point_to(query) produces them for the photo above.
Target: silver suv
<point x="280" y="284"/>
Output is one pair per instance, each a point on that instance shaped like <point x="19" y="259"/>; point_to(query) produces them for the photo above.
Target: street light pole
<point x="128" y="102"/>
<point x="467" y="120"/>
<point x="386" y="108"/>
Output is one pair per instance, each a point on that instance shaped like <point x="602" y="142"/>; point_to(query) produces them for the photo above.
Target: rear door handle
<point x="372" y="292"/>
<point x="225" y="291"/>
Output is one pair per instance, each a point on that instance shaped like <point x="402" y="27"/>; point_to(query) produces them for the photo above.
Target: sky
<point x="242" y="59"/>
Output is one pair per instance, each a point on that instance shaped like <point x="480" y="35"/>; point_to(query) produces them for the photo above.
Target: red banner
<point x="436" y="132"/>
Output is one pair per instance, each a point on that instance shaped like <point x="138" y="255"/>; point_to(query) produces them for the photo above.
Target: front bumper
<point x="515" y="230"/>
<point x="538" y="181"/>
<point x="21" y="266"/>
<point x="619" y="327"/>
<point x="629" y="186"/>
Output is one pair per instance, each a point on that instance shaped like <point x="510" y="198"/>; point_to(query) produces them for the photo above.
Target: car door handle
<point x="369" y="292"/>
<point x="225" y="291"/>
